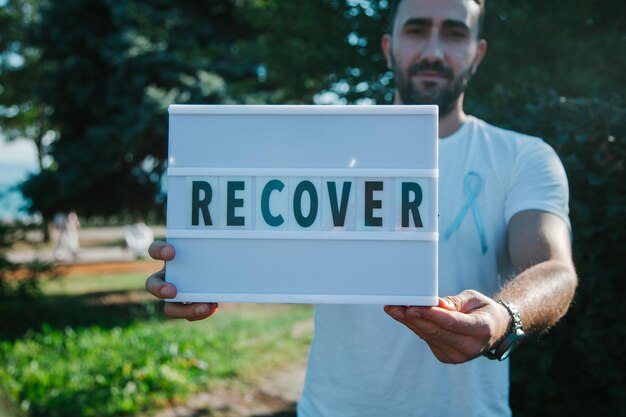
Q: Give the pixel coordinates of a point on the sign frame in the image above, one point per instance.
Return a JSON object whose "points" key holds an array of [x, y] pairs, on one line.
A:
{"points": [[217, 146]]}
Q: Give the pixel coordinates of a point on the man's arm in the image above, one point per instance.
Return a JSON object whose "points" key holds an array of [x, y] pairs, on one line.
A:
{"points": [[156, 285], [539, 246], [466, 325]]}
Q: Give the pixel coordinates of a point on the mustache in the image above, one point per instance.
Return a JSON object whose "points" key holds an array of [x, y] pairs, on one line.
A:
{"points": [[436, 66]]}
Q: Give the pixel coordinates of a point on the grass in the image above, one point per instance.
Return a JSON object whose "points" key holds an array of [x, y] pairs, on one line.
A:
{"points": [[101, 347], [85, 284], [100, 300]]}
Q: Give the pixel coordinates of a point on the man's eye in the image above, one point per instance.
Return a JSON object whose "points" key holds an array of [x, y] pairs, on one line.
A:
{"points": [[457, 34], [415, 31]]}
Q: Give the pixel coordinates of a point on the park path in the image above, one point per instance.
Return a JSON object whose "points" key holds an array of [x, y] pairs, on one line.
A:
{"points": [[98, 245], [274, 396]]}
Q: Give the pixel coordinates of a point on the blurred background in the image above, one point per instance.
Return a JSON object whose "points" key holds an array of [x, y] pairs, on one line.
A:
{"points": [[84, 90]]}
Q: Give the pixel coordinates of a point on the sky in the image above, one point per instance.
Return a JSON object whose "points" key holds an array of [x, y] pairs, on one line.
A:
{"points": [[17, 160], [21, 152]]}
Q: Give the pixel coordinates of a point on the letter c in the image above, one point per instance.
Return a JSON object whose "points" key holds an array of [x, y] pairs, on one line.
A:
{"points": [[270, 219]]}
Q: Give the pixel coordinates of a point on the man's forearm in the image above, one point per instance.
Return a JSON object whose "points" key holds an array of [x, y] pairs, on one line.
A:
{"points": [[542, 294]]}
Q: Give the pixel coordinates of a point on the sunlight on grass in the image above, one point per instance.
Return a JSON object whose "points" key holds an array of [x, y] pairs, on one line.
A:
{"points": [[80, 284], [104, 368]]}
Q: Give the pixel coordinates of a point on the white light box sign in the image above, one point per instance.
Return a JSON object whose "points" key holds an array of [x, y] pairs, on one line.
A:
{"points": [[303, 204]]}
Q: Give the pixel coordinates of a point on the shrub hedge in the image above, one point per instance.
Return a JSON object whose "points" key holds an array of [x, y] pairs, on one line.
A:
{"points": [[578, 369]]}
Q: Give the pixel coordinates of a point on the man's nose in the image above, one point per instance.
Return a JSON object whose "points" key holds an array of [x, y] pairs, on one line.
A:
{"points": [[433, 51]]}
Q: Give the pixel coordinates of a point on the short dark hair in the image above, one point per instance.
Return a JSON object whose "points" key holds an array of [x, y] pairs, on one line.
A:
{"points": [[393, 11]]}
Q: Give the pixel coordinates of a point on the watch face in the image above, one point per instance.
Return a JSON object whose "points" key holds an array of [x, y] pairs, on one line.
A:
{"points": [[513, 339]]}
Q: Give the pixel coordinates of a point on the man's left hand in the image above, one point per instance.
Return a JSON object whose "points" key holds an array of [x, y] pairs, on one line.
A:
{"points": [[460, 328]]}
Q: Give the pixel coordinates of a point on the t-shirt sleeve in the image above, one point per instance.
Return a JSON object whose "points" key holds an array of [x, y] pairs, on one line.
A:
{"points": [[538, 182]]}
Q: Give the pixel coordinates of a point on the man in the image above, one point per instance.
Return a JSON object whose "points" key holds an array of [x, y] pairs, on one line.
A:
{"points": [[504, 250]]}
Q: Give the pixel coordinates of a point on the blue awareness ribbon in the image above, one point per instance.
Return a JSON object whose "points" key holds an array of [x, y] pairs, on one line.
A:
{"points": [[473, 185]]}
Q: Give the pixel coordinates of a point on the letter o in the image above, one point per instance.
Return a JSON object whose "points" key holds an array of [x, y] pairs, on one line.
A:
{"points": [[305, 186]]}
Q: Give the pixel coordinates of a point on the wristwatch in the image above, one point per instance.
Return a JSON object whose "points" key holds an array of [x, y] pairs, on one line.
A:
{"points": [[503, 349]]}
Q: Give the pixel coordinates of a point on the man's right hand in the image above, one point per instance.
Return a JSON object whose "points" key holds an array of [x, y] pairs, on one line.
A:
{"points": [[156, 285]]}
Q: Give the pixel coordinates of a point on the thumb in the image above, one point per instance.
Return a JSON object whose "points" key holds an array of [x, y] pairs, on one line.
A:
{"points": [[464, 302], [446, 304]]}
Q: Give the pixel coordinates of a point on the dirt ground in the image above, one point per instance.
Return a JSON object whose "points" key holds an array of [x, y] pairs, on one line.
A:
{"points": [[275, 396], [109, 267]]}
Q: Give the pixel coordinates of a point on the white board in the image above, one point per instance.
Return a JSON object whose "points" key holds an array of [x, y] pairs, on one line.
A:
{"points": [[303, 204]]}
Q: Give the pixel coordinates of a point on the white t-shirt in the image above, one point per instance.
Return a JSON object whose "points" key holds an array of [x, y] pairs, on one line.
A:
{"points": [[363, 363]]}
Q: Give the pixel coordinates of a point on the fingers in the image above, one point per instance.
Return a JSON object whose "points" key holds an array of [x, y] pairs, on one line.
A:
{"points": [[161, 251], [156, 285], [191, 312], [450, 320], [426, 328], [467, 346], [459, 328], [397, 312], [453, 337]]}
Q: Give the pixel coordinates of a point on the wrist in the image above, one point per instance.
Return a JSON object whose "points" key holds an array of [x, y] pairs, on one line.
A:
{"points": [[513, 334], [506, 327]]}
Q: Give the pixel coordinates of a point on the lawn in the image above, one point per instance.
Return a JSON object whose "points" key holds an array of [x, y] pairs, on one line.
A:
{"points": [[100, 346]]}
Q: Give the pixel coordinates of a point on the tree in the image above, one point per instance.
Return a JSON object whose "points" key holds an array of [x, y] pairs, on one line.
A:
{"points": [[108, 70], [19, 282], [576, 48], [539, 48], [310, 47], [22, 115], [577, 369]]}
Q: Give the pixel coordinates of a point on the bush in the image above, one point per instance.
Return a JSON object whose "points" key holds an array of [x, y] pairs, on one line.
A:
{"points": [[578, 369], [13, 290]]}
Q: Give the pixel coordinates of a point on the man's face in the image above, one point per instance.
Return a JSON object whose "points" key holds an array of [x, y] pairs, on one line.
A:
{"points": [[433, 50]]}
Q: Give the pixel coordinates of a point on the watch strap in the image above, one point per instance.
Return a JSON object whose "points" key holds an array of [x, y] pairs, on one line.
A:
{"points": [[502, 349]]}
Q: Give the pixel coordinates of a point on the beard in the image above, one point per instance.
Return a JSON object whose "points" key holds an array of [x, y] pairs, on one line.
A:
{"points": [[445, 97]]}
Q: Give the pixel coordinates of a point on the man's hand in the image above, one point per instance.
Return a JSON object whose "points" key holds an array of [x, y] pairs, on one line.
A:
{"points": [[460, 328], [156, 285]]}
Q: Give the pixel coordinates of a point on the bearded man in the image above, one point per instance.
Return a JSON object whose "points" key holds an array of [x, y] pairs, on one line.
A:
{"points": [[504, 251]]}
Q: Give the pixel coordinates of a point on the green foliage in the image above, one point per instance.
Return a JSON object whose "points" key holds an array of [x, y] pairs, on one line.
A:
{"points": [[22, 114], [308, 47], [574, 48], [108, 69], [19, 283], [78, 302], [578, 369], [104, 372]]}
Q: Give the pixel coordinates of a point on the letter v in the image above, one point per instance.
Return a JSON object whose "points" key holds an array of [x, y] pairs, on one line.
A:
{"points": [[339, 213]]}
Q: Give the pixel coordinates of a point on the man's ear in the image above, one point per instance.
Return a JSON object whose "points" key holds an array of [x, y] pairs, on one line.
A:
{"points": [[385, 45], [481, 51]]}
